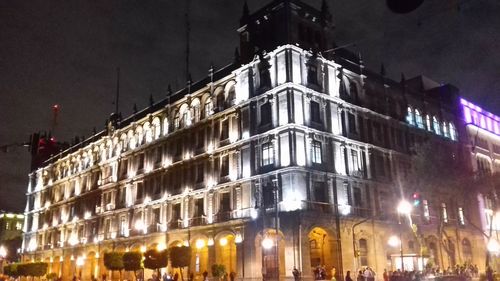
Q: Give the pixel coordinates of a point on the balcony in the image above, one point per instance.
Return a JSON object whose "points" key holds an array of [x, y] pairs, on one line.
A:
{"points": [[175, 224], [223, 216], [197, 221]]}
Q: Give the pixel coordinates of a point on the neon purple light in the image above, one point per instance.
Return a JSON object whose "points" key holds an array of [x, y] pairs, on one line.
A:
{"points": [[475, 115]]}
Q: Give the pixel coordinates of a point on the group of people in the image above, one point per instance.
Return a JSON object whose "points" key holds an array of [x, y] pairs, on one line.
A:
{"points": [[465, 271]]}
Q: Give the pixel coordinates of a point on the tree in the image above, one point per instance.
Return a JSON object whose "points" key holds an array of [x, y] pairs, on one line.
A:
{"points": [[218, 270], [11, 270], [38, 269], [180, 257], [22, 269], [114, 261], [155, 260], [132, 261]]}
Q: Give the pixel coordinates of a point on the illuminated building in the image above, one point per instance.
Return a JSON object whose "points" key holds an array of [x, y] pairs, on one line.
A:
{"points": [[483, 133], [317, 131]]}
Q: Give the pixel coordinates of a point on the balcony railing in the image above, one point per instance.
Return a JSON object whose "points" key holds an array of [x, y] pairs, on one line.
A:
{"points": [[222, 216], [197, 221], [175, 224]]}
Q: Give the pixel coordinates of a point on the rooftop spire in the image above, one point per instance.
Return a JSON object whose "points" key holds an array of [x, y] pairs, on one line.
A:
{"points": [[245, 15]]}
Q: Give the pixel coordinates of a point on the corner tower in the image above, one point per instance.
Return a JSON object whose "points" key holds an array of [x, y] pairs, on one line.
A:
{"points": [[285, 22]]}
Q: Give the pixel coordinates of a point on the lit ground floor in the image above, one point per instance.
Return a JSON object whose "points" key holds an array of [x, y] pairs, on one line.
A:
{"points": [[257, 249]]}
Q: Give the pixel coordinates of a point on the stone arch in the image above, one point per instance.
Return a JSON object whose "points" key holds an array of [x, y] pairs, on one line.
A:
{"points": [[322, 251], [266, 252], [90, 267], [199, 254], [225, 249]]}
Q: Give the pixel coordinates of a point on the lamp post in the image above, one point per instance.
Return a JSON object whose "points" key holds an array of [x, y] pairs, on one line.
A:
{"points": [[404, 208]]}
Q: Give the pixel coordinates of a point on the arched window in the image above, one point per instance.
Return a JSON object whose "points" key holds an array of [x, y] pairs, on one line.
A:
{"points": [[436, 125], [177, 120], [208, 107], [363, 252], [220, 102], [165, 126], [156, 128], [231, 95], [196, 110], [410, 116], [132, 142], [185, 119], [428, 122], [418, 119]]}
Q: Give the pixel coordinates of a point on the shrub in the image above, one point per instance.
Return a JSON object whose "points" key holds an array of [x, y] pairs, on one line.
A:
{"points": [[218, 270]]}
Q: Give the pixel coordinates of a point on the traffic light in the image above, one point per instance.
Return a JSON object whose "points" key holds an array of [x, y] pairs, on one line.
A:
{"points": [[416, 199]]}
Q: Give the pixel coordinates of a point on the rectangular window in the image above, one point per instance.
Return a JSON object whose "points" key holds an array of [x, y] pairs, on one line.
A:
{"points": [[225, 202], [316, 152], [315, 112], [320, 192], [425, 206], [444, 213], [140, 165], [199, 173], [461, 218], [200, 141], [224, 130], [312, 74], [265, 114], [351, 119], [224, 166], [123, 226], [354, 161], [267, 154], [158, 154]]}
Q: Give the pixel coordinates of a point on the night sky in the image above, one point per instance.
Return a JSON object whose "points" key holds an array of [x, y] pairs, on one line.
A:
{"points": [[67, 52]]}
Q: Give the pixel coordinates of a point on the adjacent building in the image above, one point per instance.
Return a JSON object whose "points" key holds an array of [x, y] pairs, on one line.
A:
{"points": [[291, 156]]}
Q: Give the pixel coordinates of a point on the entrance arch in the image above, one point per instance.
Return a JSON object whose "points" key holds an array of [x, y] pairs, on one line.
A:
{"points": [[322, 253], [225, 251], [266, 245]]}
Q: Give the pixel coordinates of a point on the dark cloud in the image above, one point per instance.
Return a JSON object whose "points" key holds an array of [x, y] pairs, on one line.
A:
{"points": [[66, 52]]}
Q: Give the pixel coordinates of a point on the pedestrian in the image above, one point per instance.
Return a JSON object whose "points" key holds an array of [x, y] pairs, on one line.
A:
{"points": [[348, 276], [385, 275], [296, 274], [334, 272], [360, 276], [489, 274]]}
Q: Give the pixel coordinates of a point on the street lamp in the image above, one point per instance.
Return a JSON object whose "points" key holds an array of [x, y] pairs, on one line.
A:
{"points": [[404, 208], [493, 246]]}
